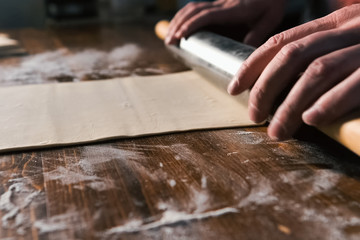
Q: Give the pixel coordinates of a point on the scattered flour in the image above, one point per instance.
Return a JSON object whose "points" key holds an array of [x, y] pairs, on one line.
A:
{"points": [[333, 222], [62, 65], [323, 181], [103, 185], [13, 204], [79, 179], [172, 183], [82, 173], [200, 200], [162, 206], [232, 153], [67, 177], [261, 194], [168, 218], [91, 156], [252, 137], [61, 222], [203, 182], [123, 57], [200, 206]]}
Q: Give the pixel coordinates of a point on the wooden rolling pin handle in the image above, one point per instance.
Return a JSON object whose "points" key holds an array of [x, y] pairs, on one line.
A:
{"points": [[161, 29]]}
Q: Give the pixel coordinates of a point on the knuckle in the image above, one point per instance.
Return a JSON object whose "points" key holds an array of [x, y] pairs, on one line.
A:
{"points": [[319, 68], [206, 12], [287, 109], [317, 23], [276, 39], [325, 108], [229, 3], [292, 50], [184, 27], [329, 21], [337, 18], [257, 95], [191, 5], [245, 66]]}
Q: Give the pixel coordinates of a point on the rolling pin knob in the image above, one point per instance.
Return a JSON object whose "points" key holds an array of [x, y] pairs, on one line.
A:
{"points": [[161, 29]]}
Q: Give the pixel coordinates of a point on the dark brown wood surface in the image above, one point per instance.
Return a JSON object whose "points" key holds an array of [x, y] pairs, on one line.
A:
{"points": [[216, 184]]}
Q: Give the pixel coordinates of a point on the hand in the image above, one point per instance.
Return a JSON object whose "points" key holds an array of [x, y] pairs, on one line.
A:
{"points": [[262, 16], [326, 53]]}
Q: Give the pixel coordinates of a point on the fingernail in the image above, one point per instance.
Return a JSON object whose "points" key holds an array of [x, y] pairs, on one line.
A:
{"points": [[178, 34], [277, 131], [232, 86], [311, 116], [254, 113], [168, 40]]}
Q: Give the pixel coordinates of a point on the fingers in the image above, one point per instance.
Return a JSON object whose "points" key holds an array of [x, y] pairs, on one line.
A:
{"points": [[251, 69], [321, 76], [286, 66], [335, 103], [186, 13], [255, 64], [201, 19], [340, 100], [278, 62]]}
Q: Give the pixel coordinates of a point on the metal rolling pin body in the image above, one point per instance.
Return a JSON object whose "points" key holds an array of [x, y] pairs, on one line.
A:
{"points": [[213, 56]]}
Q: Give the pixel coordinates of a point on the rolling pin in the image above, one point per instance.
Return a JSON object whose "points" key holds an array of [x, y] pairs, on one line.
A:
{"points": [[218, 58]]}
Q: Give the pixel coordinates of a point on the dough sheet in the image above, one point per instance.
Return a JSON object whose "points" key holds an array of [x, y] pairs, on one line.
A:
{"points": [[37, 116]]}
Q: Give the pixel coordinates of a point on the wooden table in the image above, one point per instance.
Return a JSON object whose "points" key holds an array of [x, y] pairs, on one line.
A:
{"points": [[216, 184]]}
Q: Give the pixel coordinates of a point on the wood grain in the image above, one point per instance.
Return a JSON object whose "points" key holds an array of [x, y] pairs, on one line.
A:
{"points": [[219, 184]]}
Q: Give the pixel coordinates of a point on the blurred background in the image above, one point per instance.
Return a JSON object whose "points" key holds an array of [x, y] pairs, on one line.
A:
{"points": [[39, 13]]}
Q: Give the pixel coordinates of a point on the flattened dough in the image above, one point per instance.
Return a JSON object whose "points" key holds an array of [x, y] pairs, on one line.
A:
{"points": [[37, 116]]}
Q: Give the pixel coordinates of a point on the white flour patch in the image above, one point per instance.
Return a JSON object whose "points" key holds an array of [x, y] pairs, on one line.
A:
{"points": [[92, 156], [232, 153], [261, 194], [67, 177], [123, 57], [5, 159], [200, 200], [61, 222], [203, 182], [14, 203], [79, 179], [62, 65], [168, 218], [252, 139], [162, 206], [172, 183], [241, 132], [36, 69], [154, 71], [332, 220], [5, 200], [100, 186], [86, 62], [322, 181]]}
